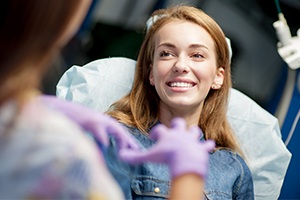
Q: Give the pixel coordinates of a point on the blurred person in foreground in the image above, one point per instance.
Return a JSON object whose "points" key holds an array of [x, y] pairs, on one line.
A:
{"points": [[43, 154]]}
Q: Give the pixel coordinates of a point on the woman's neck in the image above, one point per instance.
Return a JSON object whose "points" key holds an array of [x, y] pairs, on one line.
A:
{"points": [[191, 115]]}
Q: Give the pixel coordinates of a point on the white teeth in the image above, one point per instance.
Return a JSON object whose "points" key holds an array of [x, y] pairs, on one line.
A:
{"points": [[181, 84]]}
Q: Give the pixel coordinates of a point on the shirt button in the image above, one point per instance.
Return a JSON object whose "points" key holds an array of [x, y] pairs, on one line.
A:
{"points": [[156, 190]]}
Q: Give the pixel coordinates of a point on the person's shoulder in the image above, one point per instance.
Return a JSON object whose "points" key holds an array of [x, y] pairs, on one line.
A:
{"points": [[51, 147], [53, 130]]}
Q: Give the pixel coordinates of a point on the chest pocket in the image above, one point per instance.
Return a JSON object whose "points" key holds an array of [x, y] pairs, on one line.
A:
{"points": [[143, 186], [216, 195]]}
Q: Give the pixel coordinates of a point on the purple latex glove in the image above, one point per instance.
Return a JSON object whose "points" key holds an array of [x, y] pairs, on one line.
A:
{"points": [[99, 124], [178, 147]]}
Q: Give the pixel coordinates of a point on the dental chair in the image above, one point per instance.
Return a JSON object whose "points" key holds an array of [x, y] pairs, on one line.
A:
{"points": [[100, 83]]}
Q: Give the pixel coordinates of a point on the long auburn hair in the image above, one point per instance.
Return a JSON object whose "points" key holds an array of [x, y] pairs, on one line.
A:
{"points": [[30, 32], [140, 107]]}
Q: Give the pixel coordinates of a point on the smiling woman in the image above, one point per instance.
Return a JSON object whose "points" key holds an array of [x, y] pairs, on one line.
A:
{"points": [[183, 70]]}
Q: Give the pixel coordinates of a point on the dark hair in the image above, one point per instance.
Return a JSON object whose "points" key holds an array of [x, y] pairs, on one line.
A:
{"points": [[30, 32]]}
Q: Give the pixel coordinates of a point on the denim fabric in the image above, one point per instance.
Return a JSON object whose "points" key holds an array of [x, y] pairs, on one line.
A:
{"points": [[228, 177]]}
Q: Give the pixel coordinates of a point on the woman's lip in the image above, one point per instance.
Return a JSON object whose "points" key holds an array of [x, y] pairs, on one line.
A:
{"points": [[181, 84]]}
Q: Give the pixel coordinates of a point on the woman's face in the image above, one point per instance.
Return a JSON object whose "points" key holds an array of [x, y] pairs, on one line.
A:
{"points": [[184, 66]]}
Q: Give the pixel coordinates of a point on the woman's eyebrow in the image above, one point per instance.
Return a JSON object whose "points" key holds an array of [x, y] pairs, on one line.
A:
{"points": [[194, 46], [167, 45]]}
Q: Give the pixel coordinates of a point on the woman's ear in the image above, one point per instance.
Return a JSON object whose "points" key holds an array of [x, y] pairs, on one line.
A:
{"points": [[219, 79]]}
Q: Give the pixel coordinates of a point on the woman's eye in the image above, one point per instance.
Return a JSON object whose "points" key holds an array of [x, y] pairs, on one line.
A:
{"points": [[197, 55], [165, 54]]}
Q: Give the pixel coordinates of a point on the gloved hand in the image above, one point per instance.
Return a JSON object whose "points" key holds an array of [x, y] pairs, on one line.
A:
{"points": [[99, 124], [178, 147]]}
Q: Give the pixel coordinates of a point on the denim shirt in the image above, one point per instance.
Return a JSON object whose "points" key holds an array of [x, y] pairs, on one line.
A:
{"points": [[228, 176]]}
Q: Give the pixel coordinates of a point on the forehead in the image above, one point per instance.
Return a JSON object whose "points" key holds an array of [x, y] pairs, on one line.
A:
{"points": [[180, 32]]}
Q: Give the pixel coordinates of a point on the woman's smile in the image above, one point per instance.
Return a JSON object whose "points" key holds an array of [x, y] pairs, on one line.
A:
{"points": [[181, 85]]}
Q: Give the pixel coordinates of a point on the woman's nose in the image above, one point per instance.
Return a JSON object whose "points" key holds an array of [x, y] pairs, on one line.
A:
{"points": [[181, 66]]}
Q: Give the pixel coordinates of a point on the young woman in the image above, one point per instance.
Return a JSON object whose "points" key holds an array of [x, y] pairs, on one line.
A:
{"points": [[183, 70]]}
